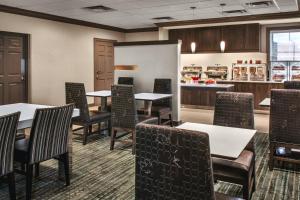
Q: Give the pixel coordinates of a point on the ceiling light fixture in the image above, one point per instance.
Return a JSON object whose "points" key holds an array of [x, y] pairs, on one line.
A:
{"points": [[222, 46], [193, 47]]}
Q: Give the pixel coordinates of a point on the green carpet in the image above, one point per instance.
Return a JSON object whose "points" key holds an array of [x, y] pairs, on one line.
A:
{"points": [[103, 174]]}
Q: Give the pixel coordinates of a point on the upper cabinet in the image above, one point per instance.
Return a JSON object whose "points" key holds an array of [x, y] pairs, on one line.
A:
{"points": [[238, 38]]}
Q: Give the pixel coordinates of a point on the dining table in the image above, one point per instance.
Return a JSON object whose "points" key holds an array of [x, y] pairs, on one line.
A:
{"points": [[225, 142], [25, 121], [148, 98]]}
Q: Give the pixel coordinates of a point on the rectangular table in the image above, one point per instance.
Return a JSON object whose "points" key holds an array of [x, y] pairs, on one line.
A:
{"points": [[26, 119], [146, 97], [225, 142], [266, 102]]}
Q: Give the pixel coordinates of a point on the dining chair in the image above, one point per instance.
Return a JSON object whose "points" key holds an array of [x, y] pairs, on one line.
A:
{"points": [[236, 110], [284, 134], [48, 140], [123, 114], [292, 85], [163, 107], [8, 129], [125, 81], [173, 164], [75, 93]]}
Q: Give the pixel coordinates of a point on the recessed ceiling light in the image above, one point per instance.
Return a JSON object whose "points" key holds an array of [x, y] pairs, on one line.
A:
{"points": [[163, 18], [99, 9]]}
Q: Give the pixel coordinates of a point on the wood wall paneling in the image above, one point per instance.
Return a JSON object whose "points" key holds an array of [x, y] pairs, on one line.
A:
{"points": [[238, 38]]}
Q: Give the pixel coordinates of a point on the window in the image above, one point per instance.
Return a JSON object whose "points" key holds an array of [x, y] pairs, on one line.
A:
{"points": [[285, 45]]}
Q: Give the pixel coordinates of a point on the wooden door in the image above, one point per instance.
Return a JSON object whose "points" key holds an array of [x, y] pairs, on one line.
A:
{"points": [[12, 69], [103, 65]]}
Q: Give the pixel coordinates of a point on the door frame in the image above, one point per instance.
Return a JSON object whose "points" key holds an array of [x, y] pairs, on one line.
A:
{"points": [[26, 52], [101, 40]]}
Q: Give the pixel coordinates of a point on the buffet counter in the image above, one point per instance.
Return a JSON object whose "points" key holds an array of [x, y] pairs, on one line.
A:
{"points": [[202, 95]]}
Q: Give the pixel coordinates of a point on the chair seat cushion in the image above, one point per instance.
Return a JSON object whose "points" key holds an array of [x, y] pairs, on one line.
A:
{"points": [[156, 111], [225, 167], [98, 115], [21, 150]]}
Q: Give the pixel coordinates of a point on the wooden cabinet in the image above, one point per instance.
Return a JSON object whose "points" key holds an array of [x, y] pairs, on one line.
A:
{"points": [[208, 39], [238, 38]]}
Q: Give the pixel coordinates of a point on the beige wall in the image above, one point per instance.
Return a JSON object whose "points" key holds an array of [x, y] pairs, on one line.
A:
{"points": [[60, 52], [141, 36]]}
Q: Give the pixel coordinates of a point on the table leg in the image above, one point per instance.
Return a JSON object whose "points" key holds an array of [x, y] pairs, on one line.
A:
{"points": [[61, 169], [103, 103], [147, 107]]}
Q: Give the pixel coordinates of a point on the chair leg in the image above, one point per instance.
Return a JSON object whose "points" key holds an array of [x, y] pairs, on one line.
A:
{"points": [[12, 185], [271, 159], [171, 120], [90, 129], [65, 159], [246, 190], [109, 127], [159, 120], [29, 173], [133, 142], [112, 138], [37, 170], [85, 134]]}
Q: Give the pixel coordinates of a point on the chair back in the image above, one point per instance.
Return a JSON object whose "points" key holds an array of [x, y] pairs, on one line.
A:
{"points": [[75, 94], [125, 81], [49, 133], [285, 116], [8, 131], [172, 163], [123, 107], [163, 86], [234, 109], [292, 85]]}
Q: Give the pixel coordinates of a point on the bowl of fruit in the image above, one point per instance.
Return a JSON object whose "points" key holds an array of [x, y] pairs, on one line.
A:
{"points": [[210, 81]]}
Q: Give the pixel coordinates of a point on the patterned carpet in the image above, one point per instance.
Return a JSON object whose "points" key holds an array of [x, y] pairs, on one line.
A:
{"points": [[103, 174]]}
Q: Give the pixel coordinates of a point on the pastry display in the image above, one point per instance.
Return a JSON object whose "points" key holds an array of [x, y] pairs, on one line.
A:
{"points": [[249, 72], [217, 72], [191, 74]]}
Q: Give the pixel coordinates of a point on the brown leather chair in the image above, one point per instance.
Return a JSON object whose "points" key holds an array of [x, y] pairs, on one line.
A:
{"points": [[173, 164], [236, 110], [284, 126]]}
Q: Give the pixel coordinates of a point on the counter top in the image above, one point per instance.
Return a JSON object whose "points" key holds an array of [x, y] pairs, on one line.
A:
{"points": [[234, 81], [202, 85]]}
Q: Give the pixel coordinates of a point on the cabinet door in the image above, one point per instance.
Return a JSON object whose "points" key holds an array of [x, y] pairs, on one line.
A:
{"points": [[252, 37], [234, 36], [209, 39]]}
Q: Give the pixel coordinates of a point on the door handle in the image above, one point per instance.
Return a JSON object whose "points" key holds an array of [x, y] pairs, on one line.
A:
{"points": [[22, 78]]}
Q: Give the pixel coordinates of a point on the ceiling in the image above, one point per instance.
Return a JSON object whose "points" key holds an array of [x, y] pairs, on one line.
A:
{"points": [[131, 14]]}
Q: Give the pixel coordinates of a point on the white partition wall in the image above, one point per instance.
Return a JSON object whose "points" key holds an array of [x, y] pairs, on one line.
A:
{"points": [[155, 59]]}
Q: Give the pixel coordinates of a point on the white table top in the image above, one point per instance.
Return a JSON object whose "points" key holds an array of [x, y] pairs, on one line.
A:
{"points": [[266, 102], [27, 112], [139, 96], [102, 93], [225, 142], [151, 96]]}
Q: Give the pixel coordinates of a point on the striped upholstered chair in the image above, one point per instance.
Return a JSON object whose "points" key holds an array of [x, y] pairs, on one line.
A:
{"points": [[292, 85], [8, 130], [236, 110], [284, 126], [123, 114], [173, 164], [75, 93], [48, 140]]}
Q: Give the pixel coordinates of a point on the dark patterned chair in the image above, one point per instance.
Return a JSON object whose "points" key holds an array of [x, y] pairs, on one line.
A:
{"points": [[75, 93], [125, 81], [173, 164], [292, 85], [123, 114], [48, 139], [163, 107], [284, 126], [236, 110], [8, 129]]}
